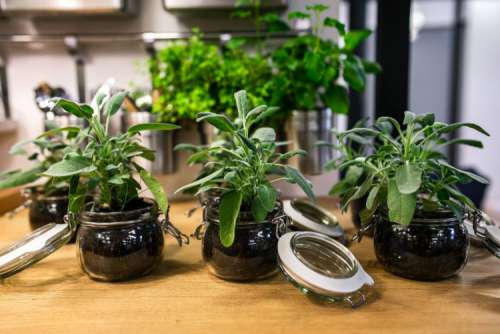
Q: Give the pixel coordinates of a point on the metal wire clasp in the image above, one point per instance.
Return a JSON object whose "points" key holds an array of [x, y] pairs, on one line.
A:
{"points": [[181, 238], [282, 223]]}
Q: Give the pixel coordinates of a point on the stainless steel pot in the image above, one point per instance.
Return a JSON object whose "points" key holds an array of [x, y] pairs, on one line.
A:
{"points": [[310, 127], [163, 142]]}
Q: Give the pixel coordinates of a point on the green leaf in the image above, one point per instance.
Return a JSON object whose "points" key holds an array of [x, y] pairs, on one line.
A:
{"points": [[221, 122], [263, 115], [459, 196], [333, 23], [295, 176], [258, 211], [354, 73], [372, 195], [318, 7], [201, 181], [468, 142], [187, 147], [114, 103], [455, 126], [337, 98], [152, 127], [266, 195], [53, 132], [265, 134], [401, 206], [340, 188], [20, 178], [71, 166], [18, 148], [229, 210], [470, 175], [156, 189], [314, 65], [298, 15], [409, 117], [293, 153], [241, 103], [80, 111], [371, 67], [353, 38], [408, 178]]}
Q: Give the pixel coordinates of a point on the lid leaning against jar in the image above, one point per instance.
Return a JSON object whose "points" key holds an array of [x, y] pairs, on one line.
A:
{"points": [[307, 216], [323, 267], [34, 247]]}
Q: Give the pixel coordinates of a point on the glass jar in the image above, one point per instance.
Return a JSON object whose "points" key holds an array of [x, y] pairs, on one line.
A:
{"points": [[45, 209], [252, 256], [118, 246], [429, 248]]}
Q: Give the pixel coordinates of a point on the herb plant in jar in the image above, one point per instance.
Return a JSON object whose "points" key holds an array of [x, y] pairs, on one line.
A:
{"points": [[47, 200], [240, 239], [412, 196], [120, 235]]}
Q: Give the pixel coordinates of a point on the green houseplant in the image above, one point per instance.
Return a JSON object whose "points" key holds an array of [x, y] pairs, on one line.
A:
{"points": [[313, 76], [47, 200], [248, 203], [411, 194], [120, 236]]}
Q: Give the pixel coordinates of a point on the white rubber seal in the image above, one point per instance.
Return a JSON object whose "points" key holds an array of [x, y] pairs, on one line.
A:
{"points": [[303, 222]]}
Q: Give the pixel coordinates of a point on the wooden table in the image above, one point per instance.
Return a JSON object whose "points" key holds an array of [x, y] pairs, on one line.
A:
{"points": [[54, 296]]}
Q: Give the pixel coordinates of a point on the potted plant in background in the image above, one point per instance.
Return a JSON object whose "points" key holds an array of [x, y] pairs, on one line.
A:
{"points": [[120, 236], [184, 80], [47, 201], [240, 238], [412, 195], [312, 79]]}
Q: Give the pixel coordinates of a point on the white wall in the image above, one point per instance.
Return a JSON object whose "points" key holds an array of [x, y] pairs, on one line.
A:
{"points": [[481, 91]]}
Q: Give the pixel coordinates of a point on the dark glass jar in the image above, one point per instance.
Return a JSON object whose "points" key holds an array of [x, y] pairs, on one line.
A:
{"points": [[44, 209], [252, 256], [118, 246], [430, 248]]}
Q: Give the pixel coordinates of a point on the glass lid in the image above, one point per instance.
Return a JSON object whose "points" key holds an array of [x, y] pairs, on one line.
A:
{"points": [[307, 216], [323, 267], [33, 248]]}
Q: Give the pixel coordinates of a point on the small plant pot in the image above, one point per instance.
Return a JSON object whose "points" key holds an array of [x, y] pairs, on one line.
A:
{"points": [[45, 209], [119, 246], [428, 249], [252, 256]]}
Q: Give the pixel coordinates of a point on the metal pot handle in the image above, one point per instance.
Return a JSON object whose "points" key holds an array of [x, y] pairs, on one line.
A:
{"points": [[282, 223], [169, 228]]}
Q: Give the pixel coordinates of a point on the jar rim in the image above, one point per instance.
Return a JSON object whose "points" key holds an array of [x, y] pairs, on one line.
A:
{"points": [[422, 220], [37, 193], [116, 218]]}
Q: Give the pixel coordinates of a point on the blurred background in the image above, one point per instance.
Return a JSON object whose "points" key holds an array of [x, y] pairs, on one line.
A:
{"points": [[438, 56]]}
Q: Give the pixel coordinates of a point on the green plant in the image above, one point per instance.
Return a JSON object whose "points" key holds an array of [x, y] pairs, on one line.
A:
{"points": [[405, 171], [105, 167], [243, 174], [184, 77], [49, 148], [313, 72]]}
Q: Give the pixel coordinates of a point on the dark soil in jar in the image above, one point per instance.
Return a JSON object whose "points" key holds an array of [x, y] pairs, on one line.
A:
{"points": [[252, 256], [117, 246], [434, 246]]}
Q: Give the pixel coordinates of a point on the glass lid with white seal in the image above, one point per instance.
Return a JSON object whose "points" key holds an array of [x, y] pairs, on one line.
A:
{"points": [[308, 216], [322, 267], [34, 247]]}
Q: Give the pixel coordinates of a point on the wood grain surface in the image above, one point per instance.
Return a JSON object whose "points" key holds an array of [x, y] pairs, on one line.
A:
{"points": [[180, 296]]}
